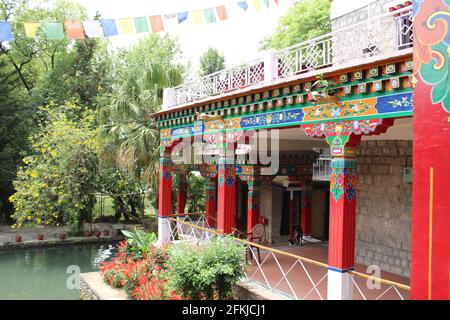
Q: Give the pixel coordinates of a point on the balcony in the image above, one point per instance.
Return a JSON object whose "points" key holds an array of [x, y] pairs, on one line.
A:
{"points": [[387, 35]]}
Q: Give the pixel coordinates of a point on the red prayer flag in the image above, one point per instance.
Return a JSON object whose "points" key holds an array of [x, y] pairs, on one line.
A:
{"points": [[276, 1], [157, 23], [74, 29], [222, 12]]}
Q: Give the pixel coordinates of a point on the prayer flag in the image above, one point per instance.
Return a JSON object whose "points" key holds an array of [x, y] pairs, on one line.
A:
{"points": [[257, 5], [109, 27], [266, 2], [197, 17], [93, 29], [182, 16], [222, 12], [31, 28], [5, 31], [156, 23], [140, 24], [276, 1], [54, 30], [125, 26], [74, 29], [243, 5], [170, 22], [210, 15]]}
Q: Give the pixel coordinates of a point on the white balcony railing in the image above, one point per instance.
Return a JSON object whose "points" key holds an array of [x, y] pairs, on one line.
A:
{"points": [[382, 35]]}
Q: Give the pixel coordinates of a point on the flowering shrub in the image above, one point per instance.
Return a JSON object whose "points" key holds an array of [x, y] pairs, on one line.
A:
{"points": [[143, 278], [179, 272]]}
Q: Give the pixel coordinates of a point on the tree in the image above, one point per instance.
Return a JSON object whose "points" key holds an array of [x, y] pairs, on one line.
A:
{"points": [[211, 61], [58, 179], [306, 20], [37, 71], [130, 136]]}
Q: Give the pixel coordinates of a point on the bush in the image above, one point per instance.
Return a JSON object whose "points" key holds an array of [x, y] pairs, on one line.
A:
{"points": [[208, 272], [58, 178]]}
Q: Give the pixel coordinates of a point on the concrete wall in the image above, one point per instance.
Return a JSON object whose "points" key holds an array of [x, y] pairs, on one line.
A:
{"points": [[383, 224]]}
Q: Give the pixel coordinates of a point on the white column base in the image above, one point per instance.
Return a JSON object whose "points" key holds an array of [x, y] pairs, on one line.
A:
{"points": [[163, 231], [340, 285]]}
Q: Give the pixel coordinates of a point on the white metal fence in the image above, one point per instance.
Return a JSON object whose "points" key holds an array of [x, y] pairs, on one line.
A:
{"points": [[386, 34]]}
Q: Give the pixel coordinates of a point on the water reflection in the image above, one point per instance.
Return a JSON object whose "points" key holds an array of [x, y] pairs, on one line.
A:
{"points": [[41, 273]]}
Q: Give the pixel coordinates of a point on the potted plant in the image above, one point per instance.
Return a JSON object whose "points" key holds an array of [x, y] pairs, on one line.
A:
{"points": [[18, 238], [40, 236], [62, 235], [106, 232], [98, 233], [88, 233]]}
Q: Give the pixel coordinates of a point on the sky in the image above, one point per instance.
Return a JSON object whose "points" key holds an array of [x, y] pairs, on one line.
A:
{"points": [[237, 38]]}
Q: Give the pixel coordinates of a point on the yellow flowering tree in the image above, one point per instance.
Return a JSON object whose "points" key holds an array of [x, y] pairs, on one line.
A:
{"points": [[57, 180]]}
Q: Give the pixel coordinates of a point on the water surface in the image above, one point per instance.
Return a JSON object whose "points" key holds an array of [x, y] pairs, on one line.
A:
{"points": [[41, 273]]}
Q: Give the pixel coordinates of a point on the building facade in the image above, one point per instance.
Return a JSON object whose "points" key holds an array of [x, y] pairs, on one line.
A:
{"points": [[341, 137]]}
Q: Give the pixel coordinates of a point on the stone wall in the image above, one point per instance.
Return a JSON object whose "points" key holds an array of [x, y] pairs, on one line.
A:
{"points": [[382, 33], [271, 206], [383, 224]]}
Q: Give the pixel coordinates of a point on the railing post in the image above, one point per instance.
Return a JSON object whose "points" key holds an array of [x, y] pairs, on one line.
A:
{"points": [[341, 244], [270, 66]]}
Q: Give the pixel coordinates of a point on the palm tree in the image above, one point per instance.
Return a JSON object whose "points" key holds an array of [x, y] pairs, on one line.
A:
{"points": [[130, 133]]}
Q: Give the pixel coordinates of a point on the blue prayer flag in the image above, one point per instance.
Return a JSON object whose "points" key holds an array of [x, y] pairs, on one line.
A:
{"points": [[182, 16], [243, 5], [5, 31], [109, 27]]}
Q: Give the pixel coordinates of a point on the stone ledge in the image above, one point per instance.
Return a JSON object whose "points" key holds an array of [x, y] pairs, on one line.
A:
{"points": [[57, 242], [92, 287]]}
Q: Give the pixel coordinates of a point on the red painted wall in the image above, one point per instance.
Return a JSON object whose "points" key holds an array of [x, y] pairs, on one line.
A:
{"points": [[430, 245]]}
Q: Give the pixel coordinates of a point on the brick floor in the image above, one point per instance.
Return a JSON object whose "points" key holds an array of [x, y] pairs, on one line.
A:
{"points": [[301, 276]]}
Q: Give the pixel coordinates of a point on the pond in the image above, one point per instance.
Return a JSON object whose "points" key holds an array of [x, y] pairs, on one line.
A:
{"points": [[42, 273]]}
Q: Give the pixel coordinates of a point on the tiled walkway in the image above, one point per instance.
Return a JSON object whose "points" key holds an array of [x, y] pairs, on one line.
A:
{"points": [[301, 277]]}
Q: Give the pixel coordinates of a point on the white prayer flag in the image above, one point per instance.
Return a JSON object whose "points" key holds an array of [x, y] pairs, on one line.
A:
{"points": [[93, 29]]}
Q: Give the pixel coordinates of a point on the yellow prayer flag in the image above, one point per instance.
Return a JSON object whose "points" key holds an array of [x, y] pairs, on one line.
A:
{"points": [[125, 26], [197, 16], [256, 4], [31, 28]]}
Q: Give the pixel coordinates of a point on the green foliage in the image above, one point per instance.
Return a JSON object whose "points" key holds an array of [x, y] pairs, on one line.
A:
{"points": [[211, 61], [208, 272], [139, 242], [130, 137], [305, 20], [36, 71], [58, 178]]}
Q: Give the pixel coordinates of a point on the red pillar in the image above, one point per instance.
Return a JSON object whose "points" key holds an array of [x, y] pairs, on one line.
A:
{"points": [[306, 213], [211, 204], [430, 239], [181, 196], [165, 185], [226, 198], [253, 213], [342, 225], [291, 216], [226, 187], [341, 245]]}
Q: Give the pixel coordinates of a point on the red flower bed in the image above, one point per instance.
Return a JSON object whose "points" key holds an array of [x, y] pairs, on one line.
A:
{"points": [[143, 278]]}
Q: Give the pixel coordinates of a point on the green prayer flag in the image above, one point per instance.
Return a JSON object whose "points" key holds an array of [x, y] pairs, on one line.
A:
{"points": [[210, 15], [140, 24], [54, 30], [266, 2]]}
